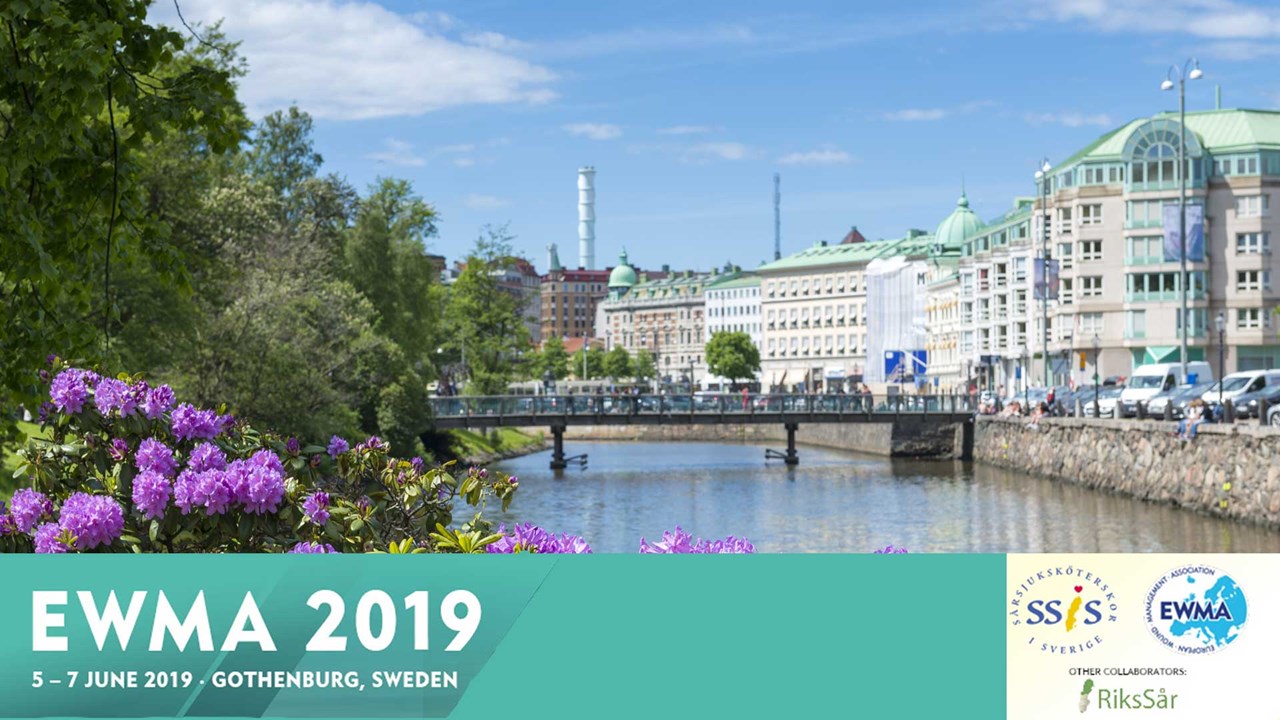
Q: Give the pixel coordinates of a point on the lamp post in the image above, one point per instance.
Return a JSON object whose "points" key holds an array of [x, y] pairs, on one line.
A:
{"points": [[1221, 322], [1042, 176], [1097, 346], [1189, 71]]}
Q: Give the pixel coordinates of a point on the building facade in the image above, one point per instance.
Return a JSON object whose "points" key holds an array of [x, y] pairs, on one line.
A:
{"points": [[569, 299], [1101, 215], [522, 281], [733, 305], [814, 312], [665, 316]]}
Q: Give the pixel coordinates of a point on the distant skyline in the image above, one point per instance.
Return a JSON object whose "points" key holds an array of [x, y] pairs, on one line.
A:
{"points": [[875, 116]]}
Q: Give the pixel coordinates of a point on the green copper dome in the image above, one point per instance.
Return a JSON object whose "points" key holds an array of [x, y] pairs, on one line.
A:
{"points": [[624, 275], [960, 224]]}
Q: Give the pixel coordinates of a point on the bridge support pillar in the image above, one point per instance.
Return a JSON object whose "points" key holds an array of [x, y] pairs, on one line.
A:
{"points": [[557, 447], [792, 458]]}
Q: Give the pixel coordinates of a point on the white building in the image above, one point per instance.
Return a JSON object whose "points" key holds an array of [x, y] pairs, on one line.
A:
{"points": [[733, 305]]}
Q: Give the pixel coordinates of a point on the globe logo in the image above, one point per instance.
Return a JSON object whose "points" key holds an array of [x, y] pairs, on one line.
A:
{"points": [[1196, 610]]}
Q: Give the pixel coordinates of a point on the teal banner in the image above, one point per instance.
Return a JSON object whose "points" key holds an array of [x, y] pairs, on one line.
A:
{"points": [[483, 637]]}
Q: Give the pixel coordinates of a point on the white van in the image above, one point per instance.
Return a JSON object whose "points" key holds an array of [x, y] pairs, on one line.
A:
{"points": [[1236, 384], [1150, 380]]}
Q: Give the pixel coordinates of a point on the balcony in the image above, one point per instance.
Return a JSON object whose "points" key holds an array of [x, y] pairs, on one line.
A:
{"points": [[1143, 259], [1161, 296], [1196, 332]]}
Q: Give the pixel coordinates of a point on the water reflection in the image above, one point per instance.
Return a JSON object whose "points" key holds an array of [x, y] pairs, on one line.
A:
{"points": [[843, 502]]}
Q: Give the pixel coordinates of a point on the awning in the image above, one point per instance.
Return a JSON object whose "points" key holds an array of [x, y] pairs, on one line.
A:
{"points": [[835, 373], [1161, 353]]}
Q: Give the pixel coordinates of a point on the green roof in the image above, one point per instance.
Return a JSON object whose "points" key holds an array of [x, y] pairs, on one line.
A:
{"points": [[918, 243], [1219, 131], [732, 283], [623, 275], [960, 224]]}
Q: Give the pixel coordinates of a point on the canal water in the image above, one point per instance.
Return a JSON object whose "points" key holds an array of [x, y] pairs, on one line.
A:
{"points": [[844, 502]]}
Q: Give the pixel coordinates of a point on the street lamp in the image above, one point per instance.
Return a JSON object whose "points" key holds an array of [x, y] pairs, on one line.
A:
{"points": [[1042, 176], [1221, 322], [1097, 345], [1189, 71]]}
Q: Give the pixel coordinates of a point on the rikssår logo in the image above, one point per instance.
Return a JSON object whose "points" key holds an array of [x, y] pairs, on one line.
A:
{"points": [[1062, 610]]}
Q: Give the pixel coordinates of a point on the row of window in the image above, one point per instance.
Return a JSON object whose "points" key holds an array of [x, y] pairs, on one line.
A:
{"points": [[733, 327], [831, 284], [733, 310], [828, 344]]}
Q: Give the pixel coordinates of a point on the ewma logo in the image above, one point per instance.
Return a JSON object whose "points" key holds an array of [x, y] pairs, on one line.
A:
{"points": [[1196, 610], [1062, 610]]}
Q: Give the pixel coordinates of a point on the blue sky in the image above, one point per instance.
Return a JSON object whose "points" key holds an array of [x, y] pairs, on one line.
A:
{"points": [[874, 113]]}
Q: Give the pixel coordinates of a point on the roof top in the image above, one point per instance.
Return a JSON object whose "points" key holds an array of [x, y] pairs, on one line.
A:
{"points": [[732, 283], [916, 243], [624, 275], [1219, 131], [960, 224]]}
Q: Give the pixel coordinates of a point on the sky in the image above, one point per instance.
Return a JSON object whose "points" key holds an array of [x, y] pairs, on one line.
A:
{"points": [[875, 114]]}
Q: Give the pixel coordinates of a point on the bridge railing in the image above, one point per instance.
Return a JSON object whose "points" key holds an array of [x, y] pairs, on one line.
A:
{"points": [[726, 404]]}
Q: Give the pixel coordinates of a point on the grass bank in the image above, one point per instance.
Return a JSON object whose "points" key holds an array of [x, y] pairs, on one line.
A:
{"points": [[478, 448]]}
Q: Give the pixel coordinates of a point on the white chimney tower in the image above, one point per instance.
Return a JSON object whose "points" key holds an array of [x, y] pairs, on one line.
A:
{"points": [[587, 218]]}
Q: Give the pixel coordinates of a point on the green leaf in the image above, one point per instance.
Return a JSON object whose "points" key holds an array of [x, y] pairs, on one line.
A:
{"points": [[155, 530]]}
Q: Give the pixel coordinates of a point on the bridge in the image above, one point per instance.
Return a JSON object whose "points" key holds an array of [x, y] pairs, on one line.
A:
{"points": [[560, 411]]}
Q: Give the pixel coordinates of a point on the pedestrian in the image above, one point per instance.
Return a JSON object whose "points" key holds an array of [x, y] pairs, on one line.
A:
{"points": [[1194, 417]]}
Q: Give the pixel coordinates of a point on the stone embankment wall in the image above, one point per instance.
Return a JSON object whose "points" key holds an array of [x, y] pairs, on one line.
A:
{"points": [[909, 437], [1227, 470]]}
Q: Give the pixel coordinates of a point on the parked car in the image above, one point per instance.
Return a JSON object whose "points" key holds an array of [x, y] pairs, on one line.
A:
{"points": [[1108, 399], [1150, 380], [1235, 384], [1246, 403], [1176, 399], [1273, 416]]}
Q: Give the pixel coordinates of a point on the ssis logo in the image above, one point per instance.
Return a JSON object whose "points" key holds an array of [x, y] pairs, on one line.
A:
{"points": [[1062, 610]]}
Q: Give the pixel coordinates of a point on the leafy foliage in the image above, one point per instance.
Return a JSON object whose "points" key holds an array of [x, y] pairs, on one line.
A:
{"points": [[732, 355], [617, 363], [482, 320], [85, 88]]}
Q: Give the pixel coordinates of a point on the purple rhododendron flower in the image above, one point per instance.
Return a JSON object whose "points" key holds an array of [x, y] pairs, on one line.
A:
{"points": [[29, 507], [110, 394], [292, 446], [8, 526], [337, 446], [529, 538], [890, 550], [258, 483], [680, 542], [151, 493], [515, 481], [69, 391], [119, 449], [417, 463], [93, 519], [155, 455], [47, 541], [316, 507], [46, 411], [158, 402], [207, 456], [188, 423], [312, 548], [373, 443], [210, 489]]}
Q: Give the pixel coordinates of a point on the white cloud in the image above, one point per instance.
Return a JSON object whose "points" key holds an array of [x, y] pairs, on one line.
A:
{"points": [[595, 131], [463, 162], [825, 156], [685, 130], [396, 152], [459, 148], [1069, 119], [354, 59], [917, 114], [1221, 19], [496, 41], [704, 152], [477, 201]]}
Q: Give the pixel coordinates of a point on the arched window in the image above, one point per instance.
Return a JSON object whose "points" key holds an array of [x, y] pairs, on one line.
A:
{"points": [[1151, 153]]}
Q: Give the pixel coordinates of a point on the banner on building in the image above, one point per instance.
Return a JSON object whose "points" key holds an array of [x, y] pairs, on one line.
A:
{"points": [[1195, 233], [1040, 284]]}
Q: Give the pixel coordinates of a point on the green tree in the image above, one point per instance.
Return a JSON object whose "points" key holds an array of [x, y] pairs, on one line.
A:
{"points": [[594, 364], [617, 363], [732, 355], [84, 88], [482, 320], [554, 358], [386, 260], [644, 369]]}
